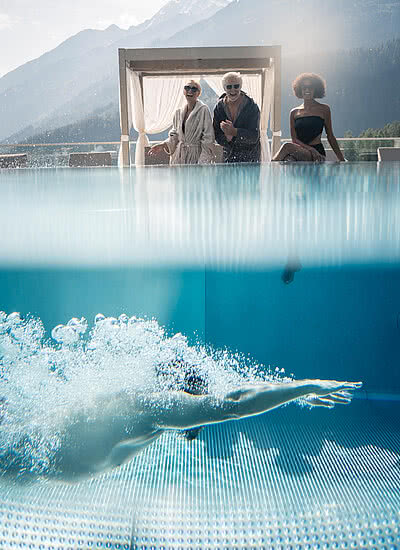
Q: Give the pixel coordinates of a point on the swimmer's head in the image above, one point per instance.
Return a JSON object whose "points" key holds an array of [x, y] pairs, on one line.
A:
{"points": [[179, 375], [194, 383]]}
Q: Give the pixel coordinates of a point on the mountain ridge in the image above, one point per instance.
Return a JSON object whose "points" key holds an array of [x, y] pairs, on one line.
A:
{"points": [[349, 100], [77, 63], [87, 78]]}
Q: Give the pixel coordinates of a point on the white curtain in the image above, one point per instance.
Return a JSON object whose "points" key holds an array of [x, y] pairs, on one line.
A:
{"points": [[215, 83], [267, 95], [252, 86], [162, 97]]}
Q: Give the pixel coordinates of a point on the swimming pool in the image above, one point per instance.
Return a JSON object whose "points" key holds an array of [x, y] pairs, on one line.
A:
{"points": [[290, 267]]}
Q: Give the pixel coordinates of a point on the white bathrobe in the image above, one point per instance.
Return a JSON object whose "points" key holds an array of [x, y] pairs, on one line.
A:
{"points": [[196, 144]]}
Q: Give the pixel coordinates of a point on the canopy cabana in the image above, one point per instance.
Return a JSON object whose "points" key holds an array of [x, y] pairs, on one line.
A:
{"points": [[152, 79]]}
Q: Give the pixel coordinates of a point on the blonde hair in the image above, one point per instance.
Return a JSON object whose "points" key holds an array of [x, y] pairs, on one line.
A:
{"points": [[195, 83], [232, 76]]}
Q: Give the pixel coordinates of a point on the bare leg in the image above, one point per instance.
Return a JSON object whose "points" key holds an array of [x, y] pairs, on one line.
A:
{"points": [[294, 152], [181, 411]]}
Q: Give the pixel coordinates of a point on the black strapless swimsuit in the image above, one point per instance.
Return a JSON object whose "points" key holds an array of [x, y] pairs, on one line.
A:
{"points": [[308, 128]]}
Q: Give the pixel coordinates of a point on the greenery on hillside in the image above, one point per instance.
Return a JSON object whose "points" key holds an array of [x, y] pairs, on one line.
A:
{"points": [[359, 150], [363, 92], [362, 86], [102, 125], [389, 130]]}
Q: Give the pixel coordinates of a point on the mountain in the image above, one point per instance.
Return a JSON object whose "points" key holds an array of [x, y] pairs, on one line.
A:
{"points": [[357, 93], [300, 26], [103, 124], [362, 85], [81, 74], [177, 15]]}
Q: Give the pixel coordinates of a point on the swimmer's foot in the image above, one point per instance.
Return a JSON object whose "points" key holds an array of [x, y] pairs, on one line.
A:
{"points": [[291, 268], [191, 434]]}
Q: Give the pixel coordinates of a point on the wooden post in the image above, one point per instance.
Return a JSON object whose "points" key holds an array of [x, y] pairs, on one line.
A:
{"points": [[276, 108], [123, 97], [141, 88], [262, 88], [142, 96]]}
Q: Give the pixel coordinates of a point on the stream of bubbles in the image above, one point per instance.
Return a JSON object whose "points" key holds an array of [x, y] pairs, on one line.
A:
{"points": [[43, 380]]}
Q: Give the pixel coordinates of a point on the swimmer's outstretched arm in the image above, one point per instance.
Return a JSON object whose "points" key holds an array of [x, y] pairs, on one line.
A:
{"points": [[179, 410]]}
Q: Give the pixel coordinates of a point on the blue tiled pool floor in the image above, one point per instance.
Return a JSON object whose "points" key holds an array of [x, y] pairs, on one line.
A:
{"points": [[290, 479]]}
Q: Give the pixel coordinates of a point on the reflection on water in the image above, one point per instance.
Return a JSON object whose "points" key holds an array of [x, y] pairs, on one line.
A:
{"points": [[223, 215]]}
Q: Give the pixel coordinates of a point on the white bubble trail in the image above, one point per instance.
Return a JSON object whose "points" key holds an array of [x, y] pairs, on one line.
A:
{"points": [[43, 380]]}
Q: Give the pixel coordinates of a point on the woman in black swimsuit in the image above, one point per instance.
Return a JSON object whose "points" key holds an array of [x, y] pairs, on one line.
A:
{"points": [[307, 123]]}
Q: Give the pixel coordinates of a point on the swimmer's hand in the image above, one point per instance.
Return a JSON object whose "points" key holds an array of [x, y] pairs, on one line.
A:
{"points": [[328, 393]]}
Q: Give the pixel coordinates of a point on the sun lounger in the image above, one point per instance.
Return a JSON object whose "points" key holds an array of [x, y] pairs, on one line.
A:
{"points": [[389, 153], [99, 158], [18, 160], [162, 157]]}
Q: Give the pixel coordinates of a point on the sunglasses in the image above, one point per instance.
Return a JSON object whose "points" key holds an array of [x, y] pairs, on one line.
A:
{"points": [[193, 89], [230, 86]]}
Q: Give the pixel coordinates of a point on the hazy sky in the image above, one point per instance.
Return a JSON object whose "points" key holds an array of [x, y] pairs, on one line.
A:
{"points": [[29, 28]]}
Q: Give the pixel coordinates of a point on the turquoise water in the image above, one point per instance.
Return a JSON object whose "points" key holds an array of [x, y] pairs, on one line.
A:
{"points": [[278, 271], [338, 322]]}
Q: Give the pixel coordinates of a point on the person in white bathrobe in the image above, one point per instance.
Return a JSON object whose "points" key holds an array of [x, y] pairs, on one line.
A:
{"points": [[191, 138]]}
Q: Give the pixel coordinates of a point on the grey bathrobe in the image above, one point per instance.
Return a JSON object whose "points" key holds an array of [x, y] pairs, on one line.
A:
{"points": [[195, 145]]}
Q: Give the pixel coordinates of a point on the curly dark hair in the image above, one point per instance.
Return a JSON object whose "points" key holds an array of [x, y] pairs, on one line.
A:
{"points": [[318, 83]]}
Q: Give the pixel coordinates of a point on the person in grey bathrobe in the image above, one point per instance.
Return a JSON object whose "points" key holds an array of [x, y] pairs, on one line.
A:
{"points": [[191, 138], [237, 122]]}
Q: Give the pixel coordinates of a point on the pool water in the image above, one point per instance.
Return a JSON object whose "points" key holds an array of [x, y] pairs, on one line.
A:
{"points": [[293, 270]]}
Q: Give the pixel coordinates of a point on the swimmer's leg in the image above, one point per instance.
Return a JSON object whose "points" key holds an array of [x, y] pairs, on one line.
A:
{"points": [[179, 410], [293, 265]]}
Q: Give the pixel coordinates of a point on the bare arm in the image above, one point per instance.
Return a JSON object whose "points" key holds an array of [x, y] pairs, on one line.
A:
{"points": [[179, 410], [331, 138]]}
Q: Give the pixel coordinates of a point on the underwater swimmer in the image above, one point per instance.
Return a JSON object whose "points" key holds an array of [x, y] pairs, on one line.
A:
{"points": [[114, 429], [180, 375]]}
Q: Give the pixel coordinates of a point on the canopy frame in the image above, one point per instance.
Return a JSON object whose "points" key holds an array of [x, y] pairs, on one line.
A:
{"points": [[213, 61]]}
